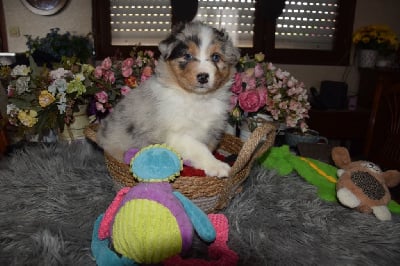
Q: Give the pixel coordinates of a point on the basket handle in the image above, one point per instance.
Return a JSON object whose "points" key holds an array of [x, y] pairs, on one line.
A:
{"points": [[90, 132], [252, 149]]}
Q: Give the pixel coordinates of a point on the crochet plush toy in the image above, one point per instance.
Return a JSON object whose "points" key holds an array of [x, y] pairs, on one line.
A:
{"points": [[149, 223], [363, 185]]}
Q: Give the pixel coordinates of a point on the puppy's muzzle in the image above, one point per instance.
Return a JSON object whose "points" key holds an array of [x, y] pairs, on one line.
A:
{"points": [[202, 78]]}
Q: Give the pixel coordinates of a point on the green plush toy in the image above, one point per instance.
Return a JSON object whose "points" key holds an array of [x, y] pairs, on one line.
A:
{"points": [[317, 173], [320, 174]]}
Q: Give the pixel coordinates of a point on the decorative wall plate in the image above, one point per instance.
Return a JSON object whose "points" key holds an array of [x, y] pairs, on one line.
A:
{"points": [[44, 7]]}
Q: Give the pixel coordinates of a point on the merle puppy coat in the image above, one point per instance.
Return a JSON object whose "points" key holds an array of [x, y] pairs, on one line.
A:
{"points": [[184, 104]]}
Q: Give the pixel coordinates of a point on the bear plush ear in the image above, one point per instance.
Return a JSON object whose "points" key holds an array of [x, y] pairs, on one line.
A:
{"points": [[391, 177], [340, 156]]}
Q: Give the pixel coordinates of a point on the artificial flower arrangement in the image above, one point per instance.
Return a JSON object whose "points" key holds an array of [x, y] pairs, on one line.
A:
{"points": [[262, 88], [40, 99], [114, 78], [376, 37]]}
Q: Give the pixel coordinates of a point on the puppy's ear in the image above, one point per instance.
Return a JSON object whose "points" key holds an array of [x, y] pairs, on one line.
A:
{"points": [[166, 46], [232, 53]]}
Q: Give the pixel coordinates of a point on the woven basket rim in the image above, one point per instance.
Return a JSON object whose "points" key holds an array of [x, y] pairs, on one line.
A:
{"points": [[202, 187]]}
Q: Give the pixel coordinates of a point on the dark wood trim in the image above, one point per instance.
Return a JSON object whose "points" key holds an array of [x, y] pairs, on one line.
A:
{"points": [[3, 30], [102, 33]]}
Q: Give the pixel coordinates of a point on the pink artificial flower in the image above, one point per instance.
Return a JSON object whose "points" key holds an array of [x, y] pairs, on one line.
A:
{"points": [[100, 107], [237, 84], [10, 91], [98, 72], [263, 96], [258, 71], [126, 71], [149, 53], [290, 121], [125, 90], [101, 97], [290, 83], [250, 101], [146, 73], [284, 105], [279, 73], [249, 80], [106, 64], [233, 101], [293, 105], [139, 62], [303, 126], [127, 62], [109, 76], [291, 91]]}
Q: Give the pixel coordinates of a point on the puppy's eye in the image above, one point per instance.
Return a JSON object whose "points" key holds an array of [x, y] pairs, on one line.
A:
{"points": [[187, 57], [215, 58]]}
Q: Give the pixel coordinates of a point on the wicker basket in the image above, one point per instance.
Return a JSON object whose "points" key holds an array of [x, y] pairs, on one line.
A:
{"points": [[209, 193]]}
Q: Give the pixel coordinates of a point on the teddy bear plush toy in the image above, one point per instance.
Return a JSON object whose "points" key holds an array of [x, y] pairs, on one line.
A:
{"points": [[363, 185]]}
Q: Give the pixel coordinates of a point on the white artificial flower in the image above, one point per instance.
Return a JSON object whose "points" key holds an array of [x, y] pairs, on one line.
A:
{"points": [[20, 70], [61, 107], [59, 73], [58, 85], [11, 107], [22, 85], [79, 77]]}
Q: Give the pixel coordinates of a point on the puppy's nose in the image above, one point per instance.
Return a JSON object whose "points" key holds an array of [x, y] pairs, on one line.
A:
{"points": [[202, 78]]}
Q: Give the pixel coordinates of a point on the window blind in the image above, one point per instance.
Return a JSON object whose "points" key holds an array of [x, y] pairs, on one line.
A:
{"points": [[139, 21], [236, 16], [302, 25], [148, 21], [307, 25]]}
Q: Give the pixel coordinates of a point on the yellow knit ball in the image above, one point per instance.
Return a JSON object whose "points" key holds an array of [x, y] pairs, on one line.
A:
{"points": [[146, 232]]}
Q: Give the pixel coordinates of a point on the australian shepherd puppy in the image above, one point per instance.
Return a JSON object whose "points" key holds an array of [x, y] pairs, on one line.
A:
{"points": [[184, 104]]}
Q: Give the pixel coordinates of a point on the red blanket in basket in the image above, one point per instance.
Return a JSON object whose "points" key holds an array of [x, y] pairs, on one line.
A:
{"points": [[187, 169], [191, 171]]}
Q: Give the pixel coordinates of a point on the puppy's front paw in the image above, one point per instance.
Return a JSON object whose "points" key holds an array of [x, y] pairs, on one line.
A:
{"points": [[217, 168]]}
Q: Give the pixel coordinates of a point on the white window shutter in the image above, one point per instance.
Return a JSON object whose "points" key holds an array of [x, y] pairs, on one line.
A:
{"points": [[139, 21], [302, 25], [307, 25], [148, 21]]}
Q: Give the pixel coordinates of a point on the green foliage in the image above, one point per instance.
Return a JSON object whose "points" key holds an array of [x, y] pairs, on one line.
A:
{"points": [[55, 45]]}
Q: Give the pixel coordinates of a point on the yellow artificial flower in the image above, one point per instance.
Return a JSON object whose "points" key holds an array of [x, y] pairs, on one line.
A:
{"points": [[236, 114], [376, 37], [28, 118], [259, 57], [46, 98], [77, 86], [87, 68]]}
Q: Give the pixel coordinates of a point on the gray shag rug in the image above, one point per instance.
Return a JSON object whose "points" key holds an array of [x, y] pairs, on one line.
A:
{"points": [[50, 196]]}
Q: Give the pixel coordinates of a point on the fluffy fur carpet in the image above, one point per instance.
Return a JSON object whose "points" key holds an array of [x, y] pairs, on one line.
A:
{"points": [[51, 195]]}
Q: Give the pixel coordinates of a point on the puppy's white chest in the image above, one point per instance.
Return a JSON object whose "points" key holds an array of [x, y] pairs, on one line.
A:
{"points": [[191, 113]]}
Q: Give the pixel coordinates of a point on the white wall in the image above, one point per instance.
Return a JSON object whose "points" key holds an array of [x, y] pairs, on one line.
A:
{"points": [[76, 18]]}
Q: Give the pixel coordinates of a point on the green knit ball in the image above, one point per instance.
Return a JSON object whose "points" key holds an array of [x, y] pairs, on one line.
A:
{"points": [[151, 235]]}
